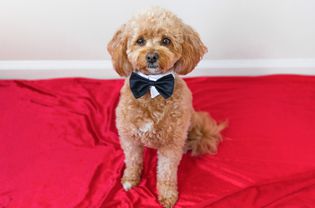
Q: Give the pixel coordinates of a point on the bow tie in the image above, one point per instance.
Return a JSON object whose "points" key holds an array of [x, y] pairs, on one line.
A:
{"points": [[140, 86]]}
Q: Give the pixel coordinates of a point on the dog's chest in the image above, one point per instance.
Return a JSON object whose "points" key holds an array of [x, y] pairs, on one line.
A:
{"points": [[150, 116], [151, 122]]}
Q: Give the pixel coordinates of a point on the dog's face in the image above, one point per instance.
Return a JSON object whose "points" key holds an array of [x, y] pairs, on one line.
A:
{"points": [[153, 52], [155, 42]]}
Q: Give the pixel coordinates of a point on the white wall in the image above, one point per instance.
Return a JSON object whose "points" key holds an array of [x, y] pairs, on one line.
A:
{"points": [[232, 29], [244, 37]]}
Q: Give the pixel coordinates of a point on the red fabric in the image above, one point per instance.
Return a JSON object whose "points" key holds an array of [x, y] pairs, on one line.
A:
{"points": [[59, 146]]}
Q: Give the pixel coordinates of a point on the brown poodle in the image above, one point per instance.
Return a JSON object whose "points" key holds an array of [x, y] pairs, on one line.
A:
{"points": [[154, 48]]}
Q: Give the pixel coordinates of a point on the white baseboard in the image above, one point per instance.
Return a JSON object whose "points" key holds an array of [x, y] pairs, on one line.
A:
{"points": [[43, 69]]}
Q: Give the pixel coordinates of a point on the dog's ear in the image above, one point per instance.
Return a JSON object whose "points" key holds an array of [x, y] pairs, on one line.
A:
{"points": [[192, 51], [117, 49]]}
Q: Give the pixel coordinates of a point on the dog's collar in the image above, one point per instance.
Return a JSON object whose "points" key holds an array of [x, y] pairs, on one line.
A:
{"points": [[153, 77]]}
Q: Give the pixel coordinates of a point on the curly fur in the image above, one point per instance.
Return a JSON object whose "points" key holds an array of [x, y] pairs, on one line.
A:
{"points": [[171, 126]]}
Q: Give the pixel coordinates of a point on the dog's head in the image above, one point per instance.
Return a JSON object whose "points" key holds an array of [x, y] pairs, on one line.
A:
{"points": [[154, 42]]}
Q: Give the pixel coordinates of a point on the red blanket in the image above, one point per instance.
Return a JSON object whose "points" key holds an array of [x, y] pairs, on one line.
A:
{"points": [[59, 146]]}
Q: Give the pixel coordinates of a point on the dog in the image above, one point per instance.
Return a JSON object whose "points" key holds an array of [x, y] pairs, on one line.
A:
{"points": [[155, 108]]}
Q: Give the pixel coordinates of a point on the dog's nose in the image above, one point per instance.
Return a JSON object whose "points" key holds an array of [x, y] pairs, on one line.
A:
{"points": [[152, 57]]}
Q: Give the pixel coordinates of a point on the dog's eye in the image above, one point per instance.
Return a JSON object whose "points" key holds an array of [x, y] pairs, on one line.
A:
{"points": [[140, 41], [165, 41]]}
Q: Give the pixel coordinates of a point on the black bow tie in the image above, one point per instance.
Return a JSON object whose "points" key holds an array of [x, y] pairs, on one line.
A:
{"points": [[140, 86]]}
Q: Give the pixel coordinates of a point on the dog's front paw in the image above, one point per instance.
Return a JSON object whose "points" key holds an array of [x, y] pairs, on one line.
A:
{"points": [[127, 185], [131, 178], [168, 195]]}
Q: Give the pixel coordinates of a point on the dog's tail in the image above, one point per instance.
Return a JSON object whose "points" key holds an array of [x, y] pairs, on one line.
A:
{"points": [[204, 134]]}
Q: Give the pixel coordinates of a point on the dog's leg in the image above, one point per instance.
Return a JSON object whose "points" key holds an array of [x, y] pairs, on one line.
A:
{"points": [[168, 161], [133, 161]]}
